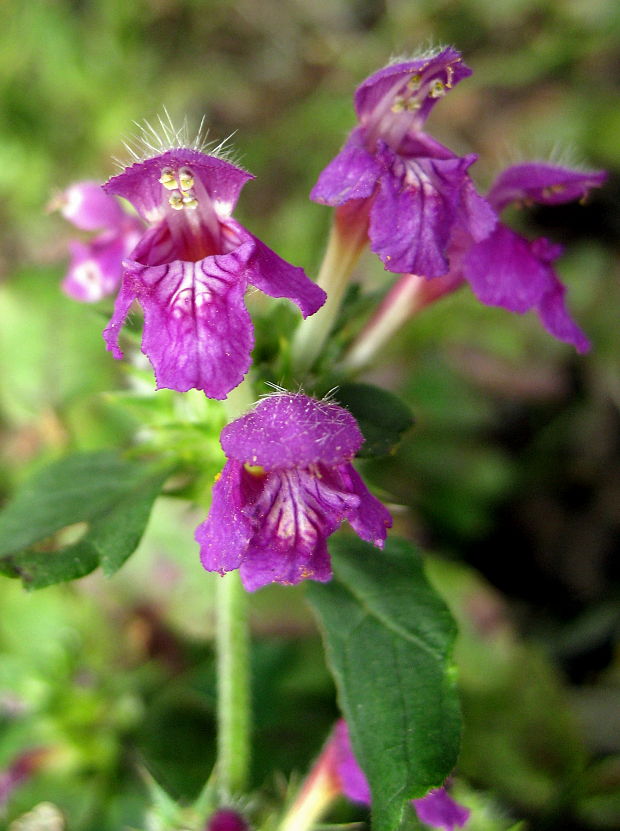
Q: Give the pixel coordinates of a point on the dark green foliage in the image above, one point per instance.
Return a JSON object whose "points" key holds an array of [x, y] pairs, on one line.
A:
{"points": [[79, 513], [381, 415], [389, 640]]}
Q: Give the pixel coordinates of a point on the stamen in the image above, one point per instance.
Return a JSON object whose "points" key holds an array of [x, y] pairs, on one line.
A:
{"points": [[186, 179], [254, 470], [437, 89], [189, 201], [176, 200], [168, 179]]}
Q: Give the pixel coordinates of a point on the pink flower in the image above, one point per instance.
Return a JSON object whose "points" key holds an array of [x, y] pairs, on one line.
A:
{"points": [[287, 485], [96, 266], [191, 268]]}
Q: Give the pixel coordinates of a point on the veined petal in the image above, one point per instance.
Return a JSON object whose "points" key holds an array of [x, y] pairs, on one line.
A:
{"points": [[87, 207], [197, 331], [225, 534], [293, 516], [352, 174], [504, 271], [95, 268], [287, 430], [370, 519], [477, 217], [547, 184], [416, 209], [277, 278], [140, 184]]}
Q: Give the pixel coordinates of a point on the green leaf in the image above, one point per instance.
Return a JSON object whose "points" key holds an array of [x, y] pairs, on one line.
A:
{"points": [[79, 513], [381, 415], [389, 639]]}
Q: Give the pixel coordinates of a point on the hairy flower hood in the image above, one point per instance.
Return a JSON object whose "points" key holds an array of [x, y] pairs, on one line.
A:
{"points": [[287, 485]]}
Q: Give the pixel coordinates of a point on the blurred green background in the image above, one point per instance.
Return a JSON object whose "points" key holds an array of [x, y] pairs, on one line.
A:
{"points": [[510, 477]]}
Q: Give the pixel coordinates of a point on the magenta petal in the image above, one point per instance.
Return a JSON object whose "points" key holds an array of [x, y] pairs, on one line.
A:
{"points": [[556, 318], [140, 185], [503, 271], [445, 66], [225, 534], [292, 431], [440, 810], [197, 331], [295, 487], [352, 174], [413, 214], [277, 278], [124, 299], [86, 206], [95, 268], [547, 184], [262, 565], [293, 515], [353, 782], [476, 217], [370, 519]]}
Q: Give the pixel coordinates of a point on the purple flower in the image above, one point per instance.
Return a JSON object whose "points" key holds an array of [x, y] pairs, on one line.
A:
{"points": [[191, 268], [437, 808], [507, 270], [96, 266], [287, 485], [412, 191]]}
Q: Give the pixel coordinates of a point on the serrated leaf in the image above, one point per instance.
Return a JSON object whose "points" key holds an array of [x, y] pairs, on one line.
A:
{"points": [[381, 415], [79, 513], [389, 639]]}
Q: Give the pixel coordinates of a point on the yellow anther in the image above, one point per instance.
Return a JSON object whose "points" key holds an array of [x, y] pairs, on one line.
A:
{"points": [[186, 180], [414, 82], [399, 104], [254, 470], [176, 201], [437, 89], [189, 201], [168, 179]]}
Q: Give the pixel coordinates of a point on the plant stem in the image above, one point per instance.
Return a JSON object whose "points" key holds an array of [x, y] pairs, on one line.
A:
{"points": [[347, 239], [233, 685], [232, 640], [399, 306], [315, 797], [408, 296]]}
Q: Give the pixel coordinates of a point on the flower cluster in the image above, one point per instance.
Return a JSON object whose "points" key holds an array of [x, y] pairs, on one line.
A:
{"points": [[287, 485], [288, 482], [415, 192], [95, 269], [422, 211]]}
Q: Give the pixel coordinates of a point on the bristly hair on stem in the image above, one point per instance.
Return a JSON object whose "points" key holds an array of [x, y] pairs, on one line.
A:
{"points": [[153, 140]]}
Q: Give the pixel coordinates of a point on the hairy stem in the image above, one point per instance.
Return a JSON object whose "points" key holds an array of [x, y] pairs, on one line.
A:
{"points": [[233, 685]]}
